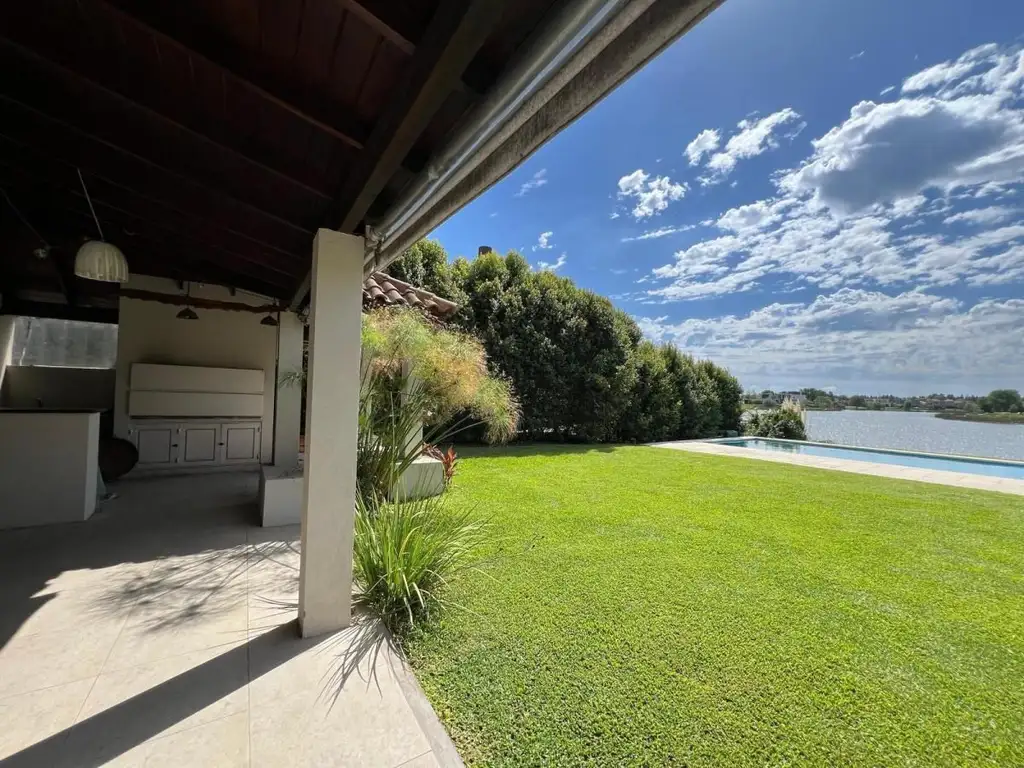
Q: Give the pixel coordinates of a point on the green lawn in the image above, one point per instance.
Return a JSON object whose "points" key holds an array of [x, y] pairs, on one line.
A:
{"points": [[653, 607]]}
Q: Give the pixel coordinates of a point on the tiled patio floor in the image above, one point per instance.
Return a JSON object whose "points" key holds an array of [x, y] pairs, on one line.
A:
{"points": [[162, 632]]}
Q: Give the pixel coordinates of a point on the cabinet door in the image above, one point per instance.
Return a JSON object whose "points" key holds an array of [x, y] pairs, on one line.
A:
{"points": [[199, 444], [157, 444], [241, 442]]}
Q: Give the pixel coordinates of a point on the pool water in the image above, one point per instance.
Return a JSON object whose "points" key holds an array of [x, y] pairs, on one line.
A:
{"points": [[1013, 470]]}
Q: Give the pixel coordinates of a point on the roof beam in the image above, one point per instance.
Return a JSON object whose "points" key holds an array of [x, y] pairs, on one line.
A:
{"points": [[90, 82], [454, 36], [188, 261], [25, 308], [188, 39], [394, 23], [72, 203], [456, 32], [27, 125], [383, 19], [182, 214]]}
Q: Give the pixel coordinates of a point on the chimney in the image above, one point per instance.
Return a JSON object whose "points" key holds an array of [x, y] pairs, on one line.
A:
{"points": [[484, 249]]}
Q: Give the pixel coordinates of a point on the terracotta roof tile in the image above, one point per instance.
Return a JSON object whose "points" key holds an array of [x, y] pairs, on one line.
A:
{"points": [[380, 289]]}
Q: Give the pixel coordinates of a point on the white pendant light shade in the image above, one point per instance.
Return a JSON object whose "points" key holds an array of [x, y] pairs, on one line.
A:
{"points": [[101, 261]]}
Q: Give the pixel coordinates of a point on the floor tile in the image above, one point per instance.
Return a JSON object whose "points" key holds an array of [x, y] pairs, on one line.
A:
{"points": [[332, 701], [31, 717], [223, 743], [210, 684], [173, 630], [31, 662]]}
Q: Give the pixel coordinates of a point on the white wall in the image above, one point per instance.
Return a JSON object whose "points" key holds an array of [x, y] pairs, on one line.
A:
{"points": [[48, 464], [25, 386], [149, 332], [6, 343]]}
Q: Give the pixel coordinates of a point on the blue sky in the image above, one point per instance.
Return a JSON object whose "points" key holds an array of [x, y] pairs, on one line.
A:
{"points": [[811, 193]]}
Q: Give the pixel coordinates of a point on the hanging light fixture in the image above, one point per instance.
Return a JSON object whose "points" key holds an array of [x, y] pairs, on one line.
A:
{"points": [[98, 259], [269, 320], [187, 313]]}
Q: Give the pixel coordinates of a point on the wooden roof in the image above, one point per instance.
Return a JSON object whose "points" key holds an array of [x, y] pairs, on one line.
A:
{"points": [[216, 136]]}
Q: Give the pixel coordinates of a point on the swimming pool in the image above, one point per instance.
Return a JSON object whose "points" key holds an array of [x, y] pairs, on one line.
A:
{"points": [[1009, 469]]}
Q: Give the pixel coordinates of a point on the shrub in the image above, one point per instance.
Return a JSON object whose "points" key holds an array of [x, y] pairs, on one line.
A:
{"points": [[784, 422], [404, 555], [448, 460]]}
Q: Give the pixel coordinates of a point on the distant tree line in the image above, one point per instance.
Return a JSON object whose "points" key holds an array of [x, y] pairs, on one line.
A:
{"points": [[580, 367], [1002, 401]]}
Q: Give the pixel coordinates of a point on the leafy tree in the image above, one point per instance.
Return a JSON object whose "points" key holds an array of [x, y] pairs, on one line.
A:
{"points": [[1000, 401], [784, 422], [653, 410], [425, 265], [578, 365], [858, 401]]}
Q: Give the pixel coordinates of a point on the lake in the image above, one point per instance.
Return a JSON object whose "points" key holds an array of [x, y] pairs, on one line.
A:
{"points": [[916, 432]]}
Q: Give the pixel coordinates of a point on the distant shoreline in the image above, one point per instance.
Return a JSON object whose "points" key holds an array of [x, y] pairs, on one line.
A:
{"points": [[984, 418]]}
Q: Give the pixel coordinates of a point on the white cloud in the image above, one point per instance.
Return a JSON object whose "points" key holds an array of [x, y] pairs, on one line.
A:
{"points": [[981, 216], [753, 216], [790, 237], [857, 55], [707, 141], [492, 215], [660, 232], [544, 241], [539, 179], [949, 71], [545, 266], [892, 150], [892, 210], [850, 335], [886, 90], [754, 138], [652, 195], [614, 215]]}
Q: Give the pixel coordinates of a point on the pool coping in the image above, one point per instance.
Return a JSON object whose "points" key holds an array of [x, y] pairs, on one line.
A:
{"points": [[865, 449], [893, 471]]}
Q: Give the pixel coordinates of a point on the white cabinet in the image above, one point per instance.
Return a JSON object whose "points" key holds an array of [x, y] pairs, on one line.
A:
{"points": [[241, 443], [196, 443], [157, 445]]}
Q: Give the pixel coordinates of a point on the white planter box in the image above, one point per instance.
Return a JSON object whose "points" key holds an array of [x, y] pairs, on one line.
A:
{"points": [[280, 496], [423, 478]]}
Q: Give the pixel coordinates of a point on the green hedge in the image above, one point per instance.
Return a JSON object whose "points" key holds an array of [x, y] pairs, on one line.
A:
{"points": [[580, 367]]}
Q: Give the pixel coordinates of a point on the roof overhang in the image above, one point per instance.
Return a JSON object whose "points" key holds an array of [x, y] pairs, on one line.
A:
{"points": [[212, 143]]}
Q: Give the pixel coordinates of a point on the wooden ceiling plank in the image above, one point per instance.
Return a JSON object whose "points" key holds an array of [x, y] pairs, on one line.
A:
{"points": [[373, 14], [30, 161], [352, 135], [456, 32], [64, 198], [188, 180], [141, 247], [92, 83]]}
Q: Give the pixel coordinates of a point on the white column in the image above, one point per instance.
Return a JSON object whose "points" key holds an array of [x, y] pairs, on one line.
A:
{"points": [[332, 423], [288, 408]]}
